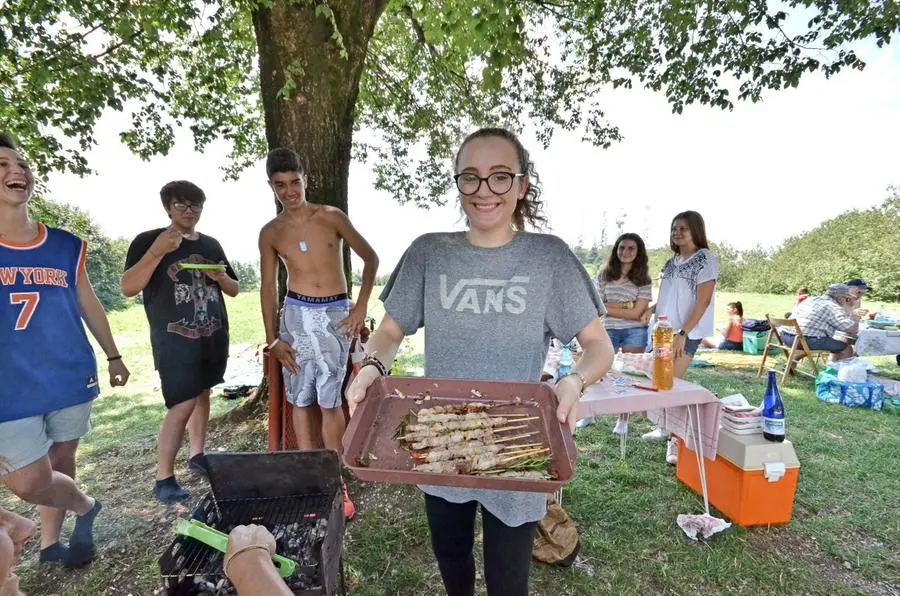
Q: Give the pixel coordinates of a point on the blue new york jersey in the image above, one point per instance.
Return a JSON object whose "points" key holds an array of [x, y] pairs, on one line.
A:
{"points": [[46, 361]]}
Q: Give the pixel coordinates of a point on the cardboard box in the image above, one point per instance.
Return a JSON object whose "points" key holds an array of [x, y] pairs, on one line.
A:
{"points": [[752, 481]]}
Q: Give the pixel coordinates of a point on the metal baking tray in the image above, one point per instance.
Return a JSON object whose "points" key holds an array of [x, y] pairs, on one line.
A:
{"points": [[373, 454]]}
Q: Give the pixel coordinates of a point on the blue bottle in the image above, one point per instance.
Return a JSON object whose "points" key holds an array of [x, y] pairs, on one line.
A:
{"points": [[773, 411], [566, 362]]}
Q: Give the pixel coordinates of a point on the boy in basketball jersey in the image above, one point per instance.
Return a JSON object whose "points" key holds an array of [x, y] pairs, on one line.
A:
{"points": [[47, 365], [317, 323], [188, 323]]}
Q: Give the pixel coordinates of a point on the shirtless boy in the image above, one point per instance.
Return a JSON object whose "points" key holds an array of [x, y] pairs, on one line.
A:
{"points": [[317, 323]]}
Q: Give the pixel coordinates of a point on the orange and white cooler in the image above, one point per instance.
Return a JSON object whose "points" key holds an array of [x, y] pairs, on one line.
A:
{"points": [[752, 481]]}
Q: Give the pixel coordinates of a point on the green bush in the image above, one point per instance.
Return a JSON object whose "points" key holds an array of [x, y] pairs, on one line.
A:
{"points": [[106, 256], [248, 274]]}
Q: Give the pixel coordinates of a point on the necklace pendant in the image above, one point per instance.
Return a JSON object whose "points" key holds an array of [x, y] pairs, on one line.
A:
{"points": [[303, 247]]}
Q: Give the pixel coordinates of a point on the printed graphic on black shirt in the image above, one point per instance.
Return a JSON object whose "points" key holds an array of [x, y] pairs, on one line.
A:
{"points": [[194, 286]]}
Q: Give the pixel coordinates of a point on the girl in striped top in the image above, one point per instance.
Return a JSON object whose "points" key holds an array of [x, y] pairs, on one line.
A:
{"points": [[625, 287]]}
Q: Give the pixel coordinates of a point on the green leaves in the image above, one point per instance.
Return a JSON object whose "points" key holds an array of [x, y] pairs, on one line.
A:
{"points": [[433, 70], [106, 256], [171, 62], [856, 243], [324, 11]]}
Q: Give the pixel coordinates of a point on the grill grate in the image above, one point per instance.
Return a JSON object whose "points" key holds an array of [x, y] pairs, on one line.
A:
{"points": [[296, 495], [299, 524]]}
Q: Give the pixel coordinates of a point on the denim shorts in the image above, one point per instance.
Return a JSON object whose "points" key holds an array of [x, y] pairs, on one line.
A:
{"points": [[634, 337], [728, 344]]}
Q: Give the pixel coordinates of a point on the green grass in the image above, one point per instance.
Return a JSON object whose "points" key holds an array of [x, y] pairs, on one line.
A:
{"points": [[843, 539]]}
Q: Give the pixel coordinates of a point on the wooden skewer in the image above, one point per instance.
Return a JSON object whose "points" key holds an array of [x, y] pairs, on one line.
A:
{"points": [[523, 445], [507, 415], [496, 430], [515, 437], [531, 450], [525, 454], [506, 428], [519, 447], [521, 451]]}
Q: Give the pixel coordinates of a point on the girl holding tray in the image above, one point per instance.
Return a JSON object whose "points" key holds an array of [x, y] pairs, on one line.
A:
{"points": [[492, 285]]}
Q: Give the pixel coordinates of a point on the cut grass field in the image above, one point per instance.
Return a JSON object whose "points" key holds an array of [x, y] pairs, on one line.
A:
{"points": [[843, 539]]}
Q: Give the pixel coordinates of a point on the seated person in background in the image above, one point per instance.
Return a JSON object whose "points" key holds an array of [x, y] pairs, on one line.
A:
{"points": [[820, 318], [802, 294], [858, 289], [248, 562], [731, 335]]}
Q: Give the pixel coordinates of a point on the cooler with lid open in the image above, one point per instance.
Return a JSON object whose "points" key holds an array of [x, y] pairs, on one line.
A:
{"points": [[752, 481]]}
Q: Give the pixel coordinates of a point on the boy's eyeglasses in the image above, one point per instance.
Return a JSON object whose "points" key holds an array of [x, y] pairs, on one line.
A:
{"points": [[182, 206]]}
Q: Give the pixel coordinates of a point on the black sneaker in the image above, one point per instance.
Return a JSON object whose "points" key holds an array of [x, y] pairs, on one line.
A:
{"points": [[169, 491], [55, 553], [198, 464]]}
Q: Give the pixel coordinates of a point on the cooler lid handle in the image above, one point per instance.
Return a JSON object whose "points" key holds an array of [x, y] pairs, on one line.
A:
{"points": [[773, 471]]}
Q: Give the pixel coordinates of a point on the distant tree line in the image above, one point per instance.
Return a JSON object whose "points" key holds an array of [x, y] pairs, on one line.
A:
{"points": [[106, 256], [856, 243]]}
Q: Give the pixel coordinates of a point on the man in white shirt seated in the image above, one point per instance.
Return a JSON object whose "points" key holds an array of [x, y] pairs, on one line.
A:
{"points": [[821, 317]]}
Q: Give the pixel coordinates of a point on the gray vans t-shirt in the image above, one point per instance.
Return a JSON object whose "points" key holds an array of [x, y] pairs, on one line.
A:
{"points": [[489, 313]]}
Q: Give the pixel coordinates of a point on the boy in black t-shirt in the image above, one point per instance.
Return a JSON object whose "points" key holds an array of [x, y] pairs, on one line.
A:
{"points": [[182, 275]]}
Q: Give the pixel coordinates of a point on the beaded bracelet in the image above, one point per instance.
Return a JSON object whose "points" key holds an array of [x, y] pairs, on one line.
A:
{"points": [[371, 360]]}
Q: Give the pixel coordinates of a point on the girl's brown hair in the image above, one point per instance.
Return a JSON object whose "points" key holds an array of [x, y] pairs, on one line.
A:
{"points": [[738, 307], [695, 223], [530, 208], [639, 272]]}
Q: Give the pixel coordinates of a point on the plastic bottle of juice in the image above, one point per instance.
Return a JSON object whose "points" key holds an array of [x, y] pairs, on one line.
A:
{"points": [[566, 362], [773, 411], [663, 337]]}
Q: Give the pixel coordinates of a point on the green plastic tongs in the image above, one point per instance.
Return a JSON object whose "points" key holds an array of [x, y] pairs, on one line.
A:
{"points": [[211, 537]]}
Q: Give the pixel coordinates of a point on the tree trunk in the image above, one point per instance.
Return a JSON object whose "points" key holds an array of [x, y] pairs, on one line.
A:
{"points": [[315, 118]]}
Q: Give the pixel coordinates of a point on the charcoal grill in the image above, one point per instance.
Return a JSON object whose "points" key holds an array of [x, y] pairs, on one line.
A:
{"points": [[296, 494]]}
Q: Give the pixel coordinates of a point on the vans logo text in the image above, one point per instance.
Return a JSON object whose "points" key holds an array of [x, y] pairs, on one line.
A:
{"points": [[484, 296]]}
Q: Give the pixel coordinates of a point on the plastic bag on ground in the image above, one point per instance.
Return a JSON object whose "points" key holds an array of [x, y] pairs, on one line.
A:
{"points": [[701, 525]]}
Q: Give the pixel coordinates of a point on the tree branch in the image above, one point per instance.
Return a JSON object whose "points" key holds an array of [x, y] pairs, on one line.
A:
{"points": [[770, 19], [78, 37], [419, 30], [462, 81]]}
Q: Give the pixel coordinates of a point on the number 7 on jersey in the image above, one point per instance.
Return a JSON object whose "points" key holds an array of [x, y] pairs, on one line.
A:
{"points": [[29, 300]]}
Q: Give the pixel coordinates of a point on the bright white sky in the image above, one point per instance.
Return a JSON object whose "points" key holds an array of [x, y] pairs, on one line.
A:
{"points": [[798, 158]]}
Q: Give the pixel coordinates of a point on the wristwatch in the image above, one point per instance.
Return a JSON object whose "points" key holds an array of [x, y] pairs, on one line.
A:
{"points": [[681, 332]]}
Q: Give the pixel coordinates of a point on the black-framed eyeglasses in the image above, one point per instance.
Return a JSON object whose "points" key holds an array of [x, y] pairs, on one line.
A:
{"points": [[182, 206], [499, 183]]}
